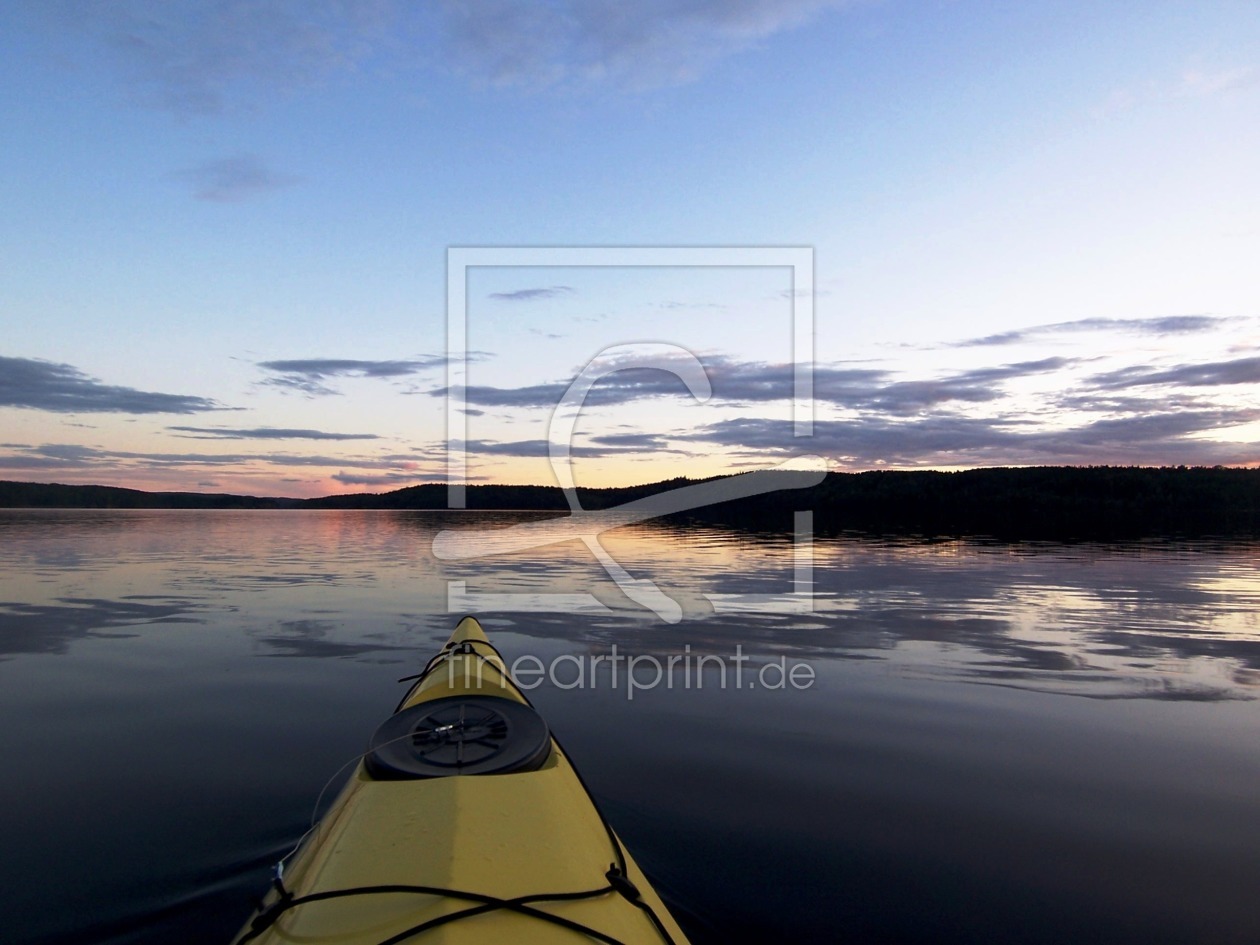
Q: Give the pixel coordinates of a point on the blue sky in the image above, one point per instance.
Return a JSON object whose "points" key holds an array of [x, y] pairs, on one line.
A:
{"points": [[226, 225]]}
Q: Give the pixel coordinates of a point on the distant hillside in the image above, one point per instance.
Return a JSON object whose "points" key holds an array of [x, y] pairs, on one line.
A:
{"points": [[1040, 502], [433, 496], [1043, 501], [41, 495], [1059, 502]]}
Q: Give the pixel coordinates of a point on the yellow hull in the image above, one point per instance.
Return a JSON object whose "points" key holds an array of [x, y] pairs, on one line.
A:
{"points": [[489, 839]]}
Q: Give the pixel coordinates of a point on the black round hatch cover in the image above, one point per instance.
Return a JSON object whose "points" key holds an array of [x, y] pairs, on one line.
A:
{"points": [[459, 735]]}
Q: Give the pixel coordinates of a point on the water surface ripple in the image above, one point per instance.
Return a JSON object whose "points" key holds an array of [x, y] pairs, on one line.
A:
{"points": [[1023, 743]]}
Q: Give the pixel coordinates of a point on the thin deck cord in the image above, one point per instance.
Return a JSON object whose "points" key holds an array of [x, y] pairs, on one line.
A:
{"points": [[617, 874]]}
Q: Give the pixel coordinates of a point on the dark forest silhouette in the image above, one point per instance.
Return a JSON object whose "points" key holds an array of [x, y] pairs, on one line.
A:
{"points": [[1063, 502]]}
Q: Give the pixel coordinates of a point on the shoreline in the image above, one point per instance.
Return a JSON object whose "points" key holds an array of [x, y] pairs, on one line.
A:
{"points": [[1022, 502]]}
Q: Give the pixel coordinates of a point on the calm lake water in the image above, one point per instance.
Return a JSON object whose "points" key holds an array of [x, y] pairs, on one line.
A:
{"points": [[1000, 743]]}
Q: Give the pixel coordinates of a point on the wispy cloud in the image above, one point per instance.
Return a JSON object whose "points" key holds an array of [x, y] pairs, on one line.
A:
{"points": [[745, 382], [233, 179], [203, 58], [67, 451], [949, 440], [75, 456], [674, 305], [1199, 82], [978, 416], [975, 386], [1213, 374], [48, 385], [731, 380], [1086, 399], [268, 433], [802, 293], [618, 444], [208, 58], [578, 42], [535, 449], [1159, 326], [307, 375], [1192, 83], [388, 479], [632, 441], [534, 294]]}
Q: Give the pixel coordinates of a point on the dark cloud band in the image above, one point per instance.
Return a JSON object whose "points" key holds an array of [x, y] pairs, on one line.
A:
{"points": [[306, 375], [61, 388], [268, 433], [533, 295], [1163, 325], [233, 179]]}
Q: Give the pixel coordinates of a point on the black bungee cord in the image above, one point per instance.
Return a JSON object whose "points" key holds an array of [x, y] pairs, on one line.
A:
{"points": [[617, 876]]}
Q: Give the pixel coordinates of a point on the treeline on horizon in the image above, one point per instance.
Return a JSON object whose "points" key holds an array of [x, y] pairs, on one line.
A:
{"points": [[1063, 502]]}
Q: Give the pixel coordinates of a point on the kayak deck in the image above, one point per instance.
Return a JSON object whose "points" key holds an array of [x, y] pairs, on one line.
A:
{"points": [[485, 841]]}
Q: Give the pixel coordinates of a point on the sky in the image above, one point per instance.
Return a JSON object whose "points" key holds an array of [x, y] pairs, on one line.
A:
{"points": [[1032, 232]]}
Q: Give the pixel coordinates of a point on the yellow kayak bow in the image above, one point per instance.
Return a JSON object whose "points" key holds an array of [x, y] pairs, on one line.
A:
{"points": [[465, 823]]}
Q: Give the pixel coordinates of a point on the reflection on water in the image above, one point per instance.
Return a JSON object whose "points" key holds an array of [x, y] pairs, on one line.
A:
{"points": [[1032, 742]]}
